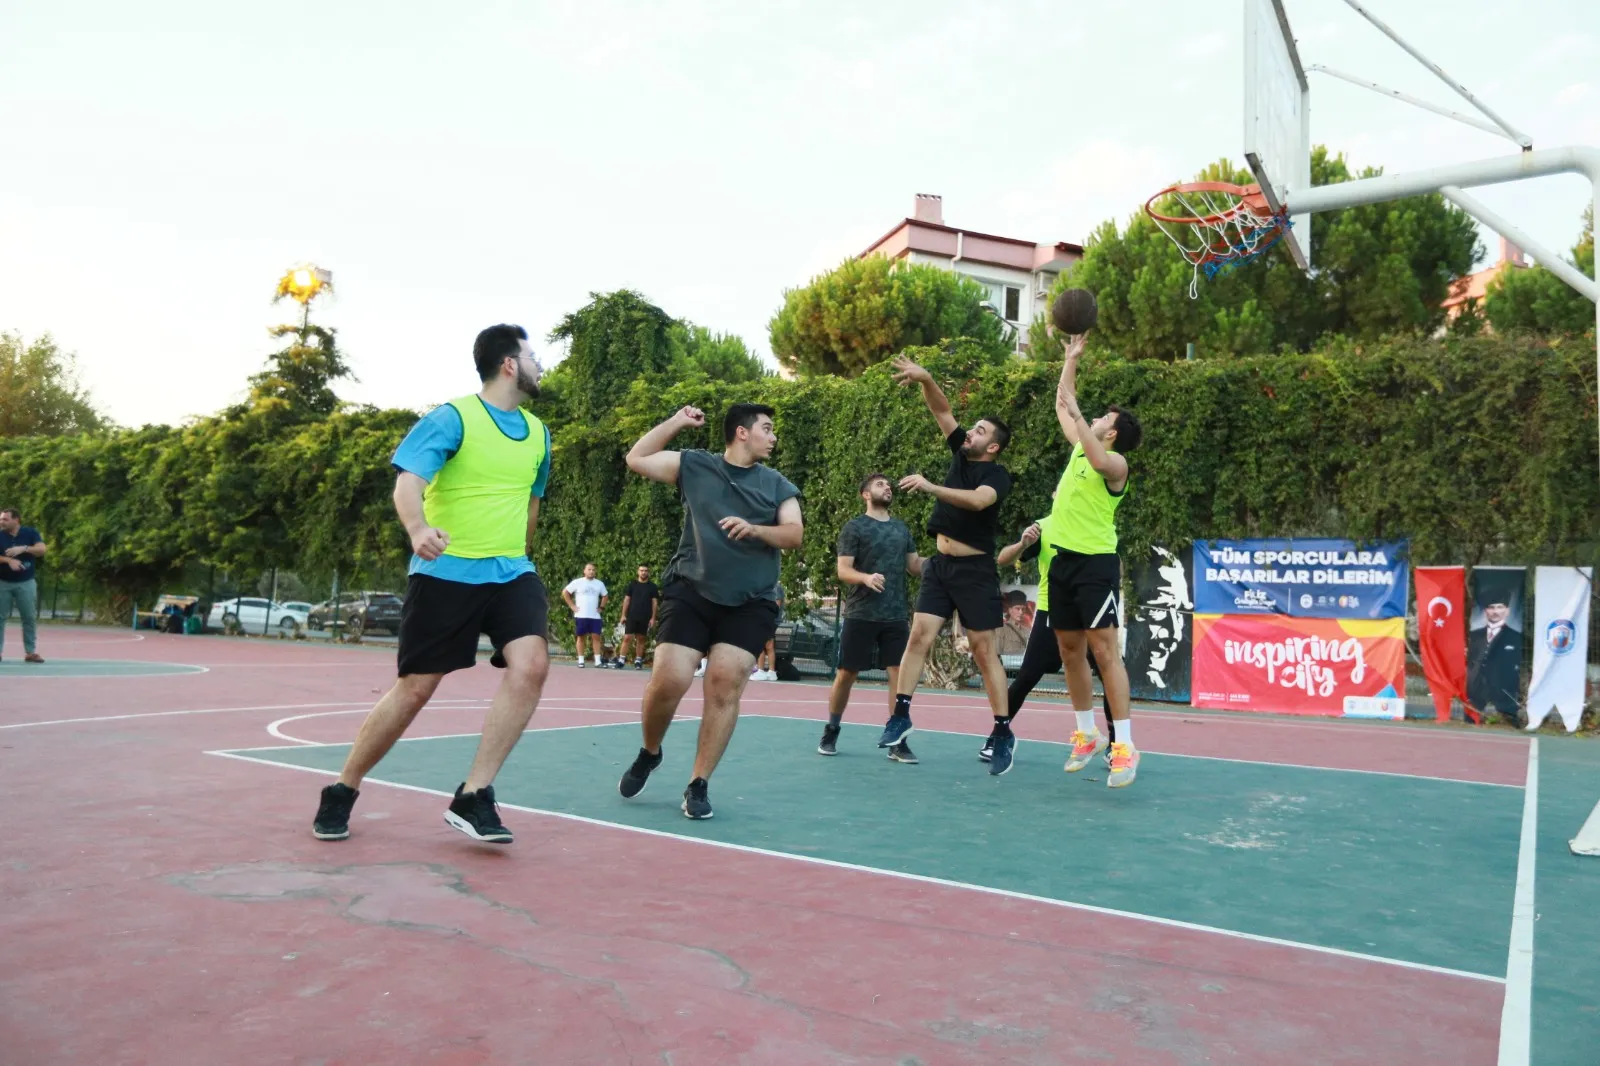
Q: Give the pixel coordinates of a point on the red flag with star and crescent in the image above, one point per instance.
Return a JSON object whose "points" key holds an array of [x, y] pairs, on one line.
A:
{"points": [[1442, 633]]}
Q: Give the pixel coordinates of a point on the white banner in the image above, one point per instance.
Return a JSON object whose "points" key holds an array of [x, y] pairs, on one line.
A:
{"points": [[1560, 644]]}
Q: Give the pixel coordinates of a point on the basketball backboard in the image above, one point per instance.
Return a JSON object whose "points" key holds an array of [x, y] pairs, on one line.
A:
{"points": [[1277, 116]]}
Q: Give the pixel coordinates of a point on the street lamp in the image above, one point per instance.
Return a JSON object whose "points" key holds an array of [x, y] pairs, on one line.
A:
{"points": [[304, 283]]}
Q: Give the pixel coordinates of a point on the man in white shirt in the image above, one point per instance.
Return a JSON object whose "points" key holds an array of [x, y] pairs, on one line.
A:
{"points": [[586, 597]]}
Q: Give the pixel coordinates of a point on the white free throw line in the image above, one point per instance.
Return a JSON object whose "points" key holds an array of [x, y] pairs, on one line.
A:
{"points": [[1171, 923], [1516, 1031]]}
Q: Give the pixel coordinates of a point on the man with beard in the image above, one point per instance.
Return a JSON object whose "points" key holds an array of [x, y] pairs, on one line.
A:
{"points": [[875, 554], [719, 599], [470, 476], [961, 578]]}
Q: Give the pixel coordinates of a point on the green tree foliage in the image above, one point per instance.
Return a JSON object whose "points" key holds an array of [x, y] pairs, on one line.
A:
{"points": [[1537, 300], [297, 382], [718, 356], [866, 310], [39, 390], [614, 339], [1379, 270]]}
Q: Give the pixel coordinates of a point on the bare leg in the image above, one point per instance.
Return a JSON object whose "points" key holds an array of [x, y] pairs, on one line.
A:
{"points": [[1113, 672], [894, 684], [527, 665], [727, 673], [386, 723], [924, 629], [839, 694], [987, 658], [670, 676], [1074, 645]]}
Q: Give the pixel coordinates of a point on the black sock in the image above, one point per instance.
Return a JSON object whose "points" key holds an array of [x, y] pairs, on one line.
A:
{"points": [[902, 706], [1002, 725], [835, 719]]}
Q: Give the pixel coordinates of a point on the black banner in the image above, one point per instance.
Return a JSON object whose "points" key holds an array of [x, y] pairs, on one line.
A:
{"points": [[1161, 626]]}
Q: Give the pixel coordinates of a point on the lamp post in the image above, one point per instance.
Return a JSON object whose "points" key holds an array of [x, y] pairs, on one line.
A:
{"points": [[304, 283]]}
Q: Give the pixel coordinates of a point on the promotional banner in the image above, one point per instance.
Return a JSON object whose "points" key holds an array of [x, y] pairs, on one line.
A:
{"points": [[1301, 578], [1159, 633], [1561, 643], [1442, 634], [1494, 641], [1333, 666]]}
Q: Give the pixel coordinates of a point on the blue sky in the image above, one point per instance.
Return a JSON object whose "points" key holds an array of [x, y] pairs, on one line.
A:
{"points": [[464, 165]]}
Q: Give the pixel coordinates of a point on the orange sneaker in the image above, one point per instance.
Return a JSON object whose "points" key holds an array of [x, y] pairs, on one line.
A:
{"points": [[1084, 748], [1124, 765]]}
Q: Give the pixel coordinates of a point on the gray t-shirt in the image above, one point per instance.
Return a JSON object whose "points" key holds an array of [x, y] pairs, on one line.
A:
{"points": [[878, 548], [729, 572]]}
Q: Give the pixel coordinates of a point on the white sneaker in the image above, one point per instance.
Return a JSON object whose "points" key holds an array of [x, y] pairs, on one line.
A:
{"points": [[702, 671], [772, 675]]}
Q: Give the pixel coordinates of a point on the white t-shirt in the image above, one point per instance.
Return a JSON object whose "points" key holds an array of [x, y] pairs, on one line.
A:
{"points": [[587, 591]]}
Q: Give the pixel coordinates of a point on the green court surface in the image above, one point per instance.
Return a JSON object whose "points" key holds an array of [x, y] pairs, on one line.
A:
{"points": [[1412, 869], [1566, 971], [93, 668]]}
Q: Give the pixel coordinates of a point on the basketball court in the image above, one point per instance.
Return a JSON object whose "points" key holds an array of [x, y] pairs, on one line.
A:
{"points": [[1271, 890]]}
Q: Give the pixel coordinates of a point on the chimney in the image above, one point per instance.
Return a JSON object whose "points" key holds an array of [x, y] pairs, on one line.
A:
{"points": [[928, 208], [1510, 253]]}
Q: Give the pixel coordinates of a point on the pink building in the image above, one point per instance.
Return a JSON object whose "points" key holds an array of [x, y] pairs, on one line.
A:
{"points": [[1472, 288], [1017, 273]]}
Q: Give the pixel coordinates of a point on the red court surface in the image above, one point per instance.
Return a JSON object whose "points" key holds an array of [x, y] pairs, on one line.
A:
{"points": [[165, 905]]}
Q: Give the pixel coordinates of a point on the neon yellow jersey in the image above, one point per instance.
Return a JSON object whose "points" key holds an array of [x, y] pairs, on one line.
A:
{"points": [[481, 493], [1084, 511], [1047, 552]]}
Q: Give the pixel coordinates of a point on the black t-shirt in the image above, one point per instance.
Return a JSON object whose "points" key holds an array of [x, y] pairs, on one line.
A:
{"points": [[976, 529], [642, 596], [24, 537]]}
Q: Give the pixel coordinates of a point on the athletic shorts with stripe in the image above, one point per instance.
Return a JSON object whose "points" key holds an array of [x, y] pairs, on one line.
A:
{"points": [[1085, 590]]}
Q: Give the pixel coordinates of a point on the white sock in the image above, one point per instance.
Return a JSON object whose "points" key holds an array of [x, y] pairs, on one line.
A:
{"points": [[1085, 721], [597, 659], [1125, 732]]}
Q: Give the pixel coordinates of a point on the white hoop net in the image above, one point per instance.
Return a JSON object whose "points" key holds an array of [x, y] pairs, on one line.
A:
{"points": [[1217, 228]]}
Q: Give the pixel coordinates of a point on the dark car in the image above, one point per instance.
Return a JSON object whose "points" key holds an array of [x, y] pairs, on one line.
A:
{"points": [[358, 613], [814, 637]]}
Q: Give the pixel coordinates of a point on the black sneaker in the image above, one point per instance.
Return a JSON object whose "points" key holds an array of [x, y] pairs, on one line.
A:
{"points": [[1004, 742], [896, 729], [901, 752], [633, 780], [333, 813], [696, 804], [987, 751], [830, 737], [475, 814], [638, 664]]}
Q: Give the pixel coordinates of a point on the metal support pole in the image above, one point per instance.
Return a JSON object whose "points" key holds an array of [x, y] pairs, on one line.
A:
{"points": [[266, 621], [333, 625], [1514, 233]]}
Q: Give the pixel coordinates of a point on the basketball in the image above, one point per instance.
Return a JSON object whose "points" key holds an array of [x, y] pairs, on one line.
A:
{"points": [[1074, 311]]}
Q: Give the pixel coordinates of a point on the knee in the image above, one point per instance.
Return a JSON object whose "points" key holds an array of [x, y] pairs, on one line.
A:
{"points": [[414, 690], [530, 673]]}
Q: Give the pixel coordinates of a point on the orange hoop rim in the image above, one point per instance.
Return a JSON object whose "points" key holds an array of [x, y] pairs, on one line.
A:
{"points": [[1251, 200]]}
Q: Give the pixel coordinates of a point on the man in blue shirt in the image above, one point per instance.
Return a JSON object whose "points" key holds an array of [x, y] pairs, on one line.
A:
{"points": [[20, 549], [469, 479]]}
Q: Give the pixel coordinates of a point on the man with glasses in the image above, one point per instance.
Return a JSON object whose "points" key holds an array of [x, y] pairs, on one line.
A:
{"points": [[470, 476]]}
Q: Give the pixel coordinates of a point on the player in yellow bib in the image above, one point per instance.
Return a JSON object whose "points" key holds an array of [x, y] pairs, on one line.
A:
{"points": [[1086, 575]]}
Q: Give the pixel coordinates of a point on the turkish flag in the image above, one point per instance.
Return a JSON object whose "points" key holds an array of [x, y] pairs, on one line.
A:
{"points": [[1442, 632]]}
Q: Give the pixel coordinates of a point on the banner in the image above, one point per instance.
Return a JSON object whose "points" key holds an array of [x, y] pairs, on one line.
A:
{"points": [[1351, 667], [1301, 578], [1159, 626], [1442, 633], [1494, 641], [1561, 647]]}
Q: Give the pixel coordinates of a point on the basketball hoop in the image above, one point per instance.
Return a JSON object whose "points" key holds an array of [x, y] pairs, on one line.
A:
{"points": [[1220, 225]]}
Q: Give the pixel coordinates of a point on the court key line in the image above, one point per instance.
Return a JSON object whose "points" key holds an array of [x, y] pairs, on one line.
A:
{"points": [[200, 710], [1516, 1014], [1171, 923], [274, 729], [184, 670]]}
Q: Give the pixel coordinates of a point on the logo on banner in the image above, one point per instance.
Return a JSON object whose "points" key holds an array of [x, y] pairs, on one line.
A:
{"points": [[1561, 636], [1255, 600]]}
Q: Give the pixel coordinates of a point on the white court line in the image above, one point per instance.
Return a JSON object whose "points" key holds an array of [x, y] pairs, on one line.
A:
{"points": [[1516, 1014], [130, 638], [274, 727], [202, 710], [1171, 923], [298, 744]]}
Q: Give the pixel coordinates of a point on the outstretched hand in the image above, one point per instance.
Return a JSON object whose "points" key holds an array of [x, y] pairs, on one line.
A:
{"points": [[906, 371], [914, 483], [1072, 346], [1030, 534], [692, 416]]}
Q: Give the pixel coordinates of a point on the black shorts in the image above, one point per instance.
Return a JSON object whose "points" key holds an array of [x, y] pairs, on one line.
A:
{"points": [[1085, 590], [636, 627], [862, 637], [968, 585], [692, 621], [441, 620]]}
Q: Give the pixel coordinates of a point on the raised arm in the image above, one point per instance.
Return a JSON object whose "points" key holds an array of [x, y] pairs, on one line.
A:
{"points": [[967, 499], [1108, 464], [1011, 552], [786, 534], [1067, 387], [905, 372], [429, 543], [647, 459]]}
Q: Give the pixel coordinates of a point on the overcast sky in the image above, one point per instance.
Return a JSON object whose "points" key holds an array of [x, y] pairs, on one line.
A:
{"points": [[460, 165]]}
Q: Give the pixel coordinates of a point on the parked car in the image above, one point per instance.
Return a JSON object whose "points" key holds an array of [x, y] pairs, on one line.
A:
{"points": [[297, 606], [814, 637], [254, 614], [358, 613]]}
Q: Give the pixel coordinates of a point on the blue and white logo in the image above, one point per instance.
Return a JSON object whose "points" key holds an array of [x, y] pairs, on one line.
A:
{"points": [[1561, 636]]}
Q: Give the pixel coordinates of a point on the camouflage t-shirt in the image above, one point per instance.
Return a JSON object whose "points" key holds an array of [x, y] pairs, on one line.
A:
{"points": [[878, 548]]}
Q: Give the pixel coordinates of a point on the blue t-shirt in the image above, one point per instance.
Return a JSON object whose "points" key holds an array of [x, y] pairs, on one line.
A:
{"points": [[425, 450], [20, 539]]}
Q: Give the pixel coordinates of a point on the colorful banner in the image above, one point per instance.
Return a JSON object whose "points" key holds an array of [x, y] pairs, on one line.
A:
{"points": [[1350, 667], [1560, 651], [1442, 634], [1159, 626], [1301, 578], [1494, 641]]}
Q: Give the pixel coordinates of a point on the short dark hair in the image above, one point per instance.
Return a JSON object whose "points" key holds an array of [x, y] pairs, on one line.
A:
{"points": [[1129, 432], [1002, 432], [869, 479], [1016, 598], [12, 511], [743, 416], [494, 345]]}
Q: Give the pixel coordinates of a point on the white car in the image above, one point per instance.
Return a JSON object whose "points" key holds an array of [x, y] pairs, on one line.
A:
{"points": [[254, 614]]}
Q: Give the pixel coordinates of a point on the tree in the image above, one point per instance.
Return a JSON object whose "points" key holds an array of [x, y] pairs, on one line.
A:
{"points": [[39, 391], [1539, 301], [1379, 269], [298, 381], [717, 356], [866, 310], [614, 339]]}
